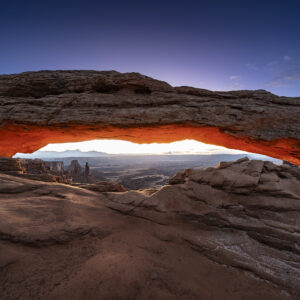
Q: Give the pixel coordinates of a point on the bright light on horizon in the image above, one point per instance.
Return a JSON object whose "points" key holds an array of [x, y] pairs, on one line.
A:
{"points": [[125, 147]]}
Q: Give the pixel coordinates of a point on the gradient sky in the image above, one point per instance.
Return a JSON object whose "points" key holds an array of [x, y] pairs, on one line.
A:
{"points": [[125, 147], [218, 45]]}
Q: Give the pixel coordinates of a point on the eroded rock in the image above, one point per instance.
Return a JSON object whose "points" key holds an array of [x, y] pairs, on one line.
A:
{"points": [[247, 209], [35, 169], [37, 108], [229, 232]]}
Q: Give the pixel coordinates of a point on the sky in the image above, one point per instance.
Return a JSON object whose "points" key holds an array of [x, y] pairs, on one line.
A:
{"points": [[216, 45], [125, 147]]}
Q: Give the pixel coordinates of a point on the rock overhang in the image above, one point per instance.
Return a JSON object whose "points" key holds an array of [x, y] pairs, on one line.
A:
{"points": [[38, 108]]}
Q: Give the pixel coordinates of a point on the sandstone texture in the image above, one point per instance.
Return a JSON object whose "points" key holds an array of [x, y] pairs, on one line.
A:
{"points": [[102, 186], [229, 232], [37, 108]]}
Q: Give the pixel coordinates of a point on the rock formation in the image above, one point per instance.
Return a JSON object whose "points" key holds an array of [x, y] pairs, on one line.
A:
{"points": [[250, 211], [37, 108], [80, 174], [57, 166], [75, 170], [11, 166], [102, 186], [35, 169], [87, 169], [54, 171], [229, 232]]}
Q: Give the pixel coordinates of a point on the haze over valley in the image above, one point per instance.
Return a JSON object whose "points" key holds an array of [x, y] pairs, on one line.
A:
{"points": [[141, 171]]}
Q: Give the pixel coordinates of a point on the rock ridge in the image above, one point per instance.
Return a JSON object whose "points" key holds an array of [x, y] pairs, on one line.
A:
{"points": [[236, 224], [248, 209]]}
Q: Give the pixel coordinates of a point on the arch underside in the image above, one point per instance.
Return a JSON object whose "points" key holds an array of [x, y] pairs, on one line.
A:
{"points": [[38, 108], [29, 138]]}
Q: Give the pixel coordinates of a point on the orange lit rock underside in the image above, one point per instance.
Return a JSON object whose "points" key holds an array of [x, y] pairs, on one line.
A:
{"points": [[27, 139]]}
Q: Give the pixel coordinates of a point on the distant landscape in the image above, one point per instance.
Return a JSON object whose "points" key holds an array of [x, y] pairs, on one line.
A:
{"points": [[138, 171]]}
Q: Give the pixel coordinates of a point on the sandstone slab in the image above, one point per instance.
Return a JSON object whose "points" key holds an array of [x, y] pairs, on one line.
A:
{"points": [[207, 235]]}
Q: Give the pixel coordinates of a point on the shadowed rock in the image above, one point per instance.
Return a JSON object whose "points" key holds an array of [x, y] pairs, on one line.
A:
{"points": [[246, 211]]}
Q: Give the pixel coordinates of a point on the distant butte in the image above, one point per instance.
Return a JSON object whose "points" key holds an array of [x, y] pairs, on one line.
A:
{"points": [[38, 108]]}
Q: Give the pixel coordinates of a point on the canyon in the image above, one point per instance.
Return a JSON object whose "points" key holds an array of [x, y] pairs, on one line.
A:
{"points": [[55, 171], [225, 232], [230, 231]]}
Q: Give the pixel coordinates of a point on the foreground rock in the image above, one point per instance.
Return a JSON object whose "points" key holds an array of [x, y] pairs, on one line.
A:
{"points": [[249, 210], [230, 232], [37, 108], [102, 186]]}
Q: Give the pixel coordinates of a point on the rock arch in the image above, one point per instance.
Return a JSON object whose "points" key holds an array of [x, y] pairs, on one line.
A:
{"points": [[38, 108]]}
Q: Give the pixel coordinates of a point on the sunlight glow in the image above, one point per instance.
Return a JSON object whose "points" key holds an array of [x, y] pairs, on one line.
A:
{"points": [[124, 147]]}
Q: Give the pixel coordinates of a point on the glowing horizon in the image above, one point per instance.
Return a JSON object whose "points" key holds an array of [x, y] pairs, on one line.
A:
{"points": [[125, 147]]}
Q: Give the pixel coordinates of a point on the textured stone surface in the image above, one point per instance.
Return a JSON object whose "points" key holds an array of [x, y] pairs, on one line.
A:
{"points": [[54, 171], [249, 211], [230, 232], [35, 169], [37, 108], [102, 186]]}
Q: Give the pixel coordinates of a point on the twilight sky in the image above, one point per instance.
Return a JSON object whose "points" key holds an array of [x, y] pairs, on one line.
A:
{"points": [[218, 45]]}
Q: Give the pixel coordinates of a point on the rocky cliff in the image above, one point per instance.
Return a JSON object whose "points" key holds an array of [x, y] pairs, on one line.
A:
{"points": [[54, 171], [80, 174], [249, 209], [35, 169], [37, 108], [81, 177]]}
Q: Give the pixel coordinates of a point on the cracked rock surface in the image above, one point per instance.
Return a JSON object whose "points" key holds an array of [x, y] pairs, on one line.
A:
{"points": [[229, 232]]}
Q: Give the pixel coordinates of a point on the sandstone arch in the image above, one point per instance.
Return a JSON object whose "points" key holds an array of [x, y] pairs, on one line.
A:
{"points": [[37, 108]]}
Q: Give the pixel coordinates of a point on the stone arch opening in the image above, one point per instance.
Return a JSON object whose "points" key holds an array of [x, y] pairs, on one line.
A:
{"points": [[132, 166], [27, 139], [64, 106]]}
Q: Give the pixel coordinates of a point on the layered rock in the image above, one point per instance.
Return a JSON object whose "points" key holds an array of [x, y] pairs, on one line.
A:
{"points": [[102, 186], [44, 107], [35, 169], [54, 171], [230, 232], [75, 170], [247, 214], [10, 165], [57, 166], [80, 174]]}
